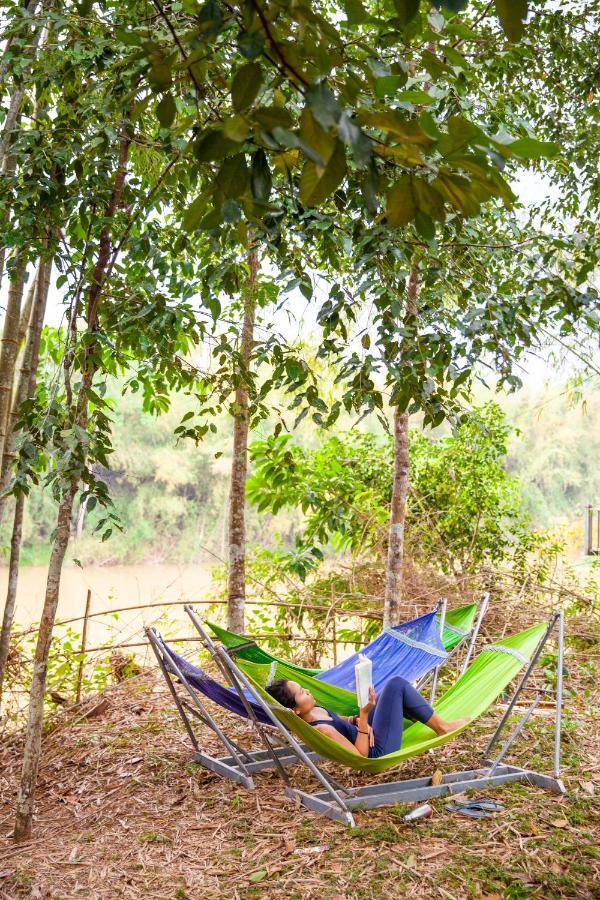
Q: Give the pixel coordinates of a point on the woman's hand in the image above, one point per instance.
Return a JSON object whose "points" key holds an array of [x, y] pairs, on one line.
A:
{"points": [[366, 709]]}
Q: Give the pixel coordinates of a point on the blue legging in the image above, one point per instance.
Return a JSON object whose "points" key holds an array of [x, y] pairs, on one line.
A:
{"points": [[398, 700]]}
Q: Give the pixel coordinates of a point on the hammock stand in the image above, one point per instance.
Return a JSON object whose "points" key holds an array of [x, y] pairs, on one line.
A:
{"points": [[336, 801], [468, 637], [239, 764]]}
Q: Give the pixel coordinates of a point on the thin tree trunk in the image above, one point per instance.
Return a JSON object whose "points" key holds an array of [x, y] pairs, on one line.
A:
{"points": [[27, 307], [27, 376], [8, 169], [31, 8], [8, 160], [26, 388], [14, 109], [400, 484], [10, 344], [35, 720], [11, 591], [236, 584], [33, 732]]}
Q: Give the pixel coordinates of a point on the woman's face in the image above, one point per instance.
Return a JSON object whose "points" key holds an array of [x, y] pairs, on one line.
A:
{"points": [[303, 699]]}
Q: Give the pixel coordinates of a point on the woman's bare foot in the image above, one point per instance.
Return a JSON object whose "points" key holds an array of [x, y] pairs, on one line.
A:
{"points": [[440, 726]]}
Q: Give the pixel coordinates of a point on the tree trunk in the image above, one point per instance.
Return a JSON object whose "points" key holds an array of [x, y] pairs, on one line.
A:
{"points": [[33, 731], [394, 572], [31, 8], [236, 583], [26, 388], [14, 109], [27, 376], [11, 591], [10, 345], [27, 307]]}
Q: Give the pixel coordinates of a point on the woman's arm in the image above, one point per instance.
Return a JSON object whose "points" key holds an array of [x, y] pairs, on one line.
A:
{"points": [[334, 734]]}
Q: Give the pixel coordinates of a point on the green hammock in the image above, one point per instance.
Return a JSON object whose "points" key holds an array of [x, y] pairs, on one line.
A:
{"points": [[458, 624], [473, 693], [330, 696], [254, 653]]}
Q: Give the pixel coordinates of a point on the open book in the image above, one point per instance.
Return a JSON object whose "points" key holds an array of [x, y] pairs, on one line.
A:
{"points": [[363, 671]]}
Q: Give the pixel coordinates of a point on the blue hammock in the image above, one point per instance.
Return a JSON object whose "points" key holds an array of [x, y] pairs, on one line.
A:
{"points": [[411, 650], [226, 697]]}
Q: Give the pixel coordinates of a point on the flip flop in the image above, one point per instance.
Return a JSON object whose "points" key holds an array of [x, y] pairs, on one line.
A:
{"points": [[468, 811], [482, 804]]}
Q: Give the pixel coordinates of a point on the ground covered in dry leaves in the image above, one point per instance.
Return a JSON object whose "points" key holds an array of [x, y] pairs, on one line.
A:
{"points": [[123, 813]]}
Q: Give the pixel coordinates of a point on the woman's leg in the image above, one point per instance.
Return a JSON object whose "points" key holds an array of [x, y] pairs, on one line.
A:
{"points": [[397, 700]]}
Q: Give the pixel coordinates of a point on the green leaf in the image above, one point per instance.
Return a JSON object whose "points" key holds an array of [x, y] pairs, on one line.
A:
{"points": [[406, 10], [512, 15], [388, 84], [313, 135], [323, 105], [355, 12], [424, 226], [434, 66], [194, 213], [246, 85], [211, 220], [401, 204], [352, 135], [428, 199], [454, 5], [251, 45], [459, 192], [233, 176], [236, 129], [316, 183], [397, 123], [272, 117], [231, 211], [258, 876], [260, 177], [166, 111], [529, 148], [159, 75], [213, 145], [415, 96], [210, 18]]}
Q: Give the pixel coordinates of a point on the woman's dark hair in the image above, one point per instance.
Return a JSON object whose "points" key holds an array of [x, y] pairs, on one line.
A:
{"points": [[281, 692]]}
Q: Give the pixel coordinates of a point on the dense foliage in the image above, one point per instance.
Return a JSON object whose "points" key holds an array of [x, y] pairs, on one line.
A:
{"points": [[464, 508]]}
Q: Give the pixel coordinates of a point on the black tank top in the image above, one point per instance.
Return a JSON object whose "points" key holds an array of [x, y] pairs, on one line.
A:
{"points": [[345, 728]]}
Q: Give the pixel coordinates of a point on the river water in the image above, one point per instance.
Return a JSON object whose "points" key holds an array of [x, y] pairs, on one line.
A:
{"points": [[114, 587]]}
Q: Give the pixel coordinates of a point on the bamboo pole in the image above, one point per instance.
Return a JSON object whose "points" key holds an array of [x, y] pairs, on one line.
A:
{"points": [[86, 616]]}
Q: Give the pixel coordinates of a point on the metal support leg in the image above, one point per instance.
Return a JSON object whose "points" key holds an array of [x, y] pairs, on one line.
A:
{"points": [[512, 737], [559, 692], [188, 727], [241, 682], [522, 683], [241, 774], [485, 602], [223, 660], [443, 609]]}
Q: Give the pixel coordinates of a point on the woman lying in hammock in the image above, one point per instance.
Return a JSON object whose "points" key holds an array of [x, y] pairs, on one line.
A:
{"points": [[377, 730]]}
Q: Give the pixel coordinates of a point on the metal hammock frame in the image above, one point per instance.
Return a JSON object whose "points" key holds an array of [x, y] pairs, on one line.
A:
{"points": [[281, 748]]}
